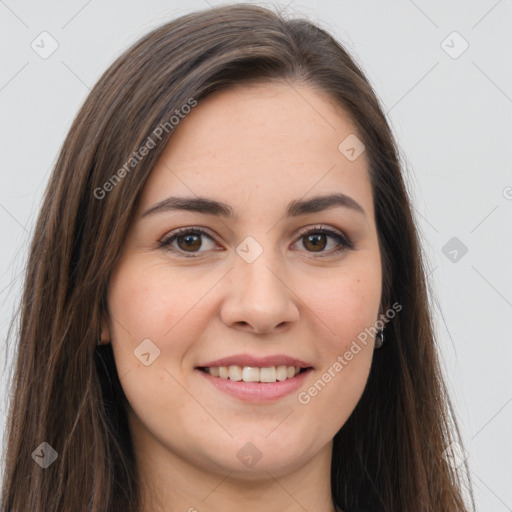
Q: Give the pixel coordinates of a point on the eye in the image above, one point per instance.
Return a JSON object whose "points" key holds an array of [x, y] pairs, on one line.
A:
{"points": [[189, 241], [186, 242], [316, 240]]}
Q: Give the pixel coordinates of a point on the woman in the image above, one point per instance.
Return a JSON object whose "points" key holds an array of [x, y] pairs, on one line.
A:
{"points": [[225, 303]]}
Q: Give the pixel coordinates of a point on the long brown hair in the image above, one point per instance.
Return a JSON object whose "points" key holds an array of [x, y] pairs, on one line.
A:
{"points": [[66, 392]]}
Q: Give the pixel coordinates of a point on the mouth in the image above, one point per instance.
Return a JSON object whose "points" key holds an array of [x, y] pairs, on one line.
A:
{"points": [[267, 374], [256, 379]]}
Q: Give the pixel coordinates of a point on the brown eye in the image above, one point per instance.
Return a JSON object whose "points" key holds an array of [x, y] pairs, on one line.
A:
{"points": [[315, 242], [189, 242], [324, 242]]}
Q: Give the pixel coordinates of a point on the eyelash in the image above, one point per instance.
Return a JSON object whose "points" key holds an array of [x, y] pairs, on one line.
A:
{"points": [[344, 242]]}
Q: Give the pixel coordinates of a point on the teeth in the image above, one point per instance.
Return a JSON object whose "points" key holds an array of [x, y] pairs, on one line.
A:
{"points": [[268, 374], [235, 373], [254, 374], [280, 373], [250, 374]]}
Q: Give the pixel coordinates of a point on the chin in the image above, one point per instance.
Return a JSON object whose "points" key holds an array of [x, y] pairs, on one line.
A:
{"points": [[254, 457]]}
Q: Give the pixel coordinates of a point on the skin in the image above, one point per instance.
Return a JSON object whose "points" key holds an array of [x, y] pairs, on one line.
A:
{"points": [[256, 148]]}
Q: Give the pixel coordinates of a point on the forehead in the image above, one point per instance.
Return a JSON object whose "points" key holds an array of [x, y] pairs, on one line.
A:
{"points": [[274, 118], [263, 141]]}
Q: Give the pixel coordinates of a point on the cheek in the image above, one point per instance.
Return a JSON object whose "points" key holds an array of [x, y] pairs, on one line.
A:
{"points": [[145, 302], [346, 305]]}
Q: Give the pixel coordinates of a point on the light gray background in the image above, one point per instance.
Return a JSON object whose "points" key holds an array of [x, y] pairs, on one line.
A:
{"points": [[452, 118]]}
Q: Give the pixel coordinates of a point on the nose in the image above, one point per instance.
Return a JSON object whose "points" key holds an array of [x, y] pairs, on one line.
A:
{"points": [[258, 297]]}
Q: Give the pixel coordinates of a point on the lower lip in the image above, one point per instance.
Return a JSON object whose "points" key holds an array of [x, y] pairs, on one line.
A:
{"points": [[257, 391]]}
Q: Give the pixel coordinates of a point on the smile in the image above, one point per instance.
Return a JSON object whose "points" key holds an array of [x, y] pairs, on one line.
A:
{"points": [[267, 374]]}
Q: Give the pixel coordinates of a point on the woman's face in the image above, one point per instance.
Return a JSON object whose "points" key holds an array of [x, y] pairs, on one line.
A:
{"points": [[269, 285]]}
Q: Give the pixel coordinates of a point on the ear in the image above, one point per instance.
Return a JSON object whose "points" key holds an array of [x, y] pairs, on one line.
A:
{"points": [[382, 312], [105, 330], [384, 308]]}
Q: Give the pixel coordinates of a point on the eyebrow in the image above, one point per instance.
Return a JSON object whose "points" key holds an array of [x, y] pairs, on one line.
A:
{"points": [[213, 207]]}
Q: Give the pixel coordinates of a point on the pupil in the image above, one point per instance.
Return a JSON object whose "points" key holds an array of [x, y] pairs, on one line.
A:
{"points": [[317, 241], [192, 242]]}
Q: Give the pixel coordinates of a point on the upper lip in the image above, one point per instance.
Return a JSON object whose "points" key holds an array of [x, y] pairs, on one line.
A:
{"points": [[260, 362]]}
